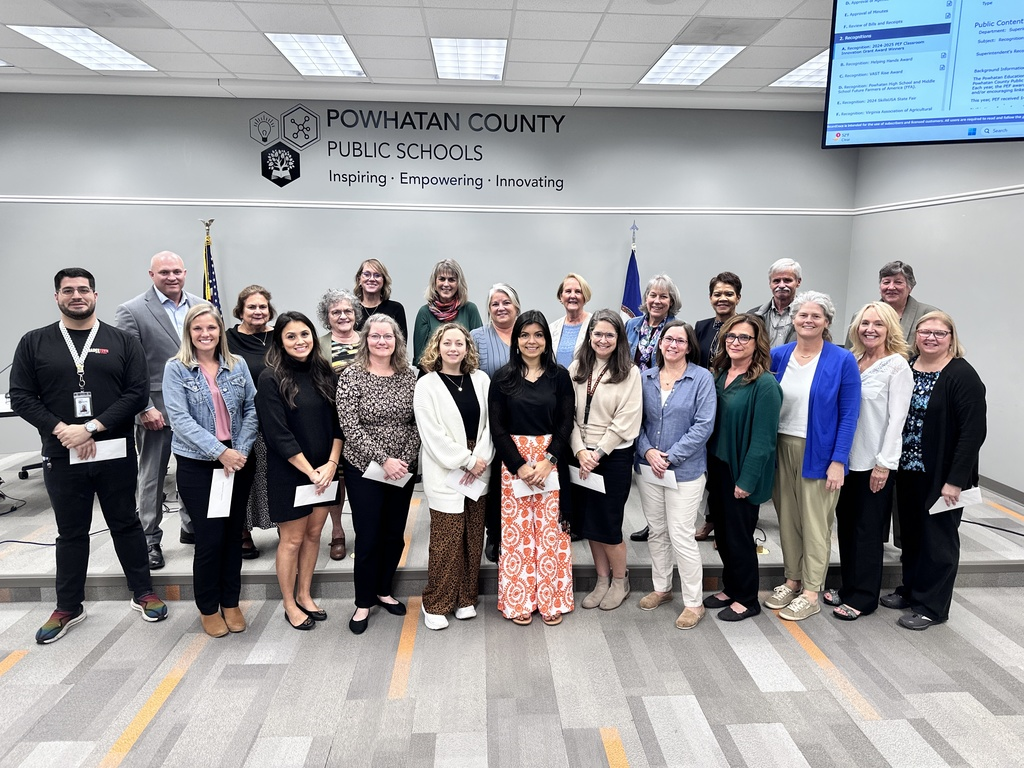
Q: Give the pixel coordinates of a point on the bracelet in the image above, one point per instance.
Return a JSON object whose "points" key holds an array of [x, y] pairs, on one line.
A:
{"points": [[333, 462]]}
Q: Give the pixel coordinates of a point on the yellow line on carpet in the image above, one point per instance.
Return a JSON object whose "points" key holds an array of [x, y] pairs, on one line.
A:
{"points": [[10, 660], [838, 679], [406, 643], [131, 734], [410, 523], [1001, 508], [613, 749]]}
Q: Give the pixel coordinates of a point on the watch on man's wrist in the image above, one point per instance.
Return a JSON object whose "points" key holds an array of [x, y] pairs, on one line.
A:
{"points": [[91, 427]]}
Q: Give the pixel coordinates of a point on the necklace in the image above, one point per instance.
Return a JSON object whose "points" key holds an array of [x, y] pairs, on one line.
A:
{"points": [[462, 380]]}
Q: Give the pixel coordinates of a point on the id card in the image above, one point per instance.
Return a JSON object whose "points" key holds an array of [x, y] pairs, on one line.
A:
{"points": [[83, 404]]}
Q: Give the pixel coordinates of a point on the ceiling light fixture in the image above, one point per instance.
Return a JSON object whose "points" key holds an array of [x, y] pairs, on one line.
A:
{"points": [[810, 74], [689, 64], [468, 59], [318, 55], [85, 47]]}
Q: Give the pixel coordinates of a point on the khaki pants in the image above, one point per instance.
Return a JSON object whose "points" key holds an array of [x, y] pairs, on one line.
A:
{"points": [[806, 513]]}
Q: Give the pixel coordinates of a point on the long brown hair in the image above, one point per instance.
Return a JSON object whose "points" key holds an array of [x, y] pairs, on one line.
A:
{"points": [[762, 360], [619, 364], [324, 379]]}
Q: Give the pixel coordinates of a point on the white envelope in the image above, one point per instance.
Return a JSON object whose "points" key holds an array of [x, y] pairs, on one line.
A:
{"points": [[594, 481], [306, 495], [968, 497], [647, 474], [220, 494], [376, 472], [474, 490], [521, 489], [105, 451]]}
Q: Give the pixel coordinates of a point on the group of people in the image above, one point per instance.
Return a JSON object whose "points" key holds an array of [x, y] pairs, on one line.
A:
{"points": [[525, 432]]}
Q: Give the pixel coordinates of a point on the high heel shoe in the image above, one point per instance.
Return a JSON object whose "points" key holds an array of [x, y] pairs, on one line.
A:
{"points": [[304, 625], [395, 609], [358, 626]]}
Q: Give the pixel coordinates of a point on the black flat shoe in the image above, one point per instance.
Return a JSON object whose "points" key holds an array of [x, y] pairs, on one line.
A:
{"points": [[714, 601], [304, 626], [728, 614], [358, 627], [640, 535], [894, 600], [395, 609], [314, 615], [491, 551]]}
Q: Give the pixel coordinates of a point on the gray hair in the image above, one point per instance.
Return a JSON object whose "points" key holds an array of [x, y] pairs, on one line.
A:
{"points": [[814, 297], [509, 291], [663, 281], [331, 297], [785, 265], [893, 268]]}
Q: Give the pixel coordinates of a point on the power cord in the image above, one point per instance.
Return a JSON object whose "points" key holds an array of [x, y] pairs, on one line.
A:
{"points": [[45, 543]]}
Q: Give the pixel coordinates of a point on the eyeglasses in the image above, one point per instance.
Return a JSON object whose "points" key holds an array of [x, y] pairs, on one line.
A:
{"points": [[600, 335], [342, 312], [82, 290], [737, 338], [670, 341], [937, 335], [372, 275], [376, 337]]}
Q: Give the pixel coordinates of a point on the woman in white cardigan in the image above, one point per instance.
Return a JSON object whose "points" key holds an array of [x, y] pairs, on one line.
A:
{"points": [[567, 332], [451, 413]]}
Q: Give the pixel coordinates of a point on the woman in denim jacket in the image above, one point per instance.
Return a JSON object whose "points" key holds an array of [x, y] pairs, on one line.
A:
{"points": [[210, 400]]}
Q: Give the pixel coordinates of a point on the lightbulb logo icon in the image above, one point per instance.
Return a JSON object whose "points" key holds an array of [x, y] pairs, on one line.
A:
{"points": [[263, 128]]}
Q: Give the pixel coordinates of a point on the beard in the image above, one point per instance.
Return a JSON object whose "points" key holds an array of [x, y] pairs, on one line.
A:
{"points": [[78, 313]]}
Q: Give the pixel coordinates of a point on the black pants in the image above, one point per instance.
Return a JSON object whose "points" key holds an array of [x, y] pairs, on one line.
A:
{"points": [[931, 548], [71, 490], [379, 514], [217, 562], [861, 519], [492, 510], [735, 521]]}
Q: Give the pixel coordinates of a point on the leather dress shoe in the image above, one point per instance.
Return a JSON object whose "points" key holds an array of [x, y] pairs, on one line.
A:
{"points": [[186, 538], [640, 535], [249, 549], [338, 548], [894, 600], [156, 557], [704, 532], [395, 609], [314, 615]]}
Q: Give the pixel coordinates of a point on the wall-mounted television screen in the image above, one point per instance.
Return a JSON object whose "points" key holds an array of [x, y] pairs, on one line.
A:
{"points": [[925, 72]]}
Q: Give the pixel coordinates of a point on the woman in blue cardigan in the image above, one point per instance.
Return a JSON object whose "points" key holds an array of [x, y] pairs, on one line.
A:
{"points": [[820, 406]]}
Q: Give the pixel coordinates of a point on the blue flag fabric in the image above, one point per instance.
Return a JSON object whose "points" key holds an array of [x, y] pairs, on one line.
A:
{"points": [[210, 292], [631, 296]]}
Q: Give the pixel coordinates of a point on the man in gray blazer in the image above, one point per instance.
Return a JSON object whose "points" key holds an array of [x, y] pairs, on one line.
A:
{"points": [[156, 318], [784, 278]]}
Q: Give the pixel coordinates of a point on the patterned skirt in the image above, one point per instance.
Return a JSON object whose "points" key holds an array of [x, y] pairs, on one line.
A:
{"points": [[257, 511], [535, 564]]}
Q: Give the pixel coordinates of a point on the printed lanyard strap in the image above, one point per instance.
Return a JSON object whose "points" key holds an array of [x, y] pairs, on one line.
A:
{"points": [[80, 358]]}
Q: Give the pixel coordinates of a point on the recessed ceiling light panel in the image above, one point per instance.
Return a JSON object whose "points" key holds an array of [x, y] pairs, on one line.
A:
{"points": [[318, 55], [468, 59], [810, 74], [689, 64], [85, 47]]}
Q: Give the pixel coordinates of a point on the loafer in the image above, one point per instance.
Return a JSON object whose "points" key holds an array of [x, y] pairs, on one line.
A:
{"points": [[234, 619], [916, 621], [491, 551], [465, 612], [314, 615], [58, 625], [800, 608], [156, 557], [213, 624], [894, 600], [728, 614], [690, 617], [357, 627], [714, 601], [640, 535], [338, 549], [704, 532], [150, 606], [652, 600], [395, 609], [433, 620], [250, 553], [305, 625], [781, 597], [186, 538]]}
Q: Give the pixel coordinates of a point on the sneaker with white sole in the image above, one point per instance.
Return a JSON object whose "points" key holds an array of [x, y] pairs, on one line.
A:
{"points": [[433, 620], [799, 609], [58, 625], [465, 612], [781, 597], [150, 606]]}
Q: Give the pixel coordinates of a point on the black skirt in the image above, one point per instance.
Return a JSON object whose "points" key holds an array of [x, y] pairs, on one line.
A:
{"points": [[598, 516]]}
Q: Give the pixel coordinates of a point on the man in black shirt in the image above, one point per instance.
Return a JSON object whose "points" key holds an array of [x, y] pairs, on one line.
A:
{"points": [[80, 383]]}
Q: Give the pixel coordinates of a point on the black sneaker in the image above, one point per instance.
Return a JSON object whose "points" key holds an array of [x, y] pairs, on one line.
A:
{"points": [[58, 625], [156, 557]]}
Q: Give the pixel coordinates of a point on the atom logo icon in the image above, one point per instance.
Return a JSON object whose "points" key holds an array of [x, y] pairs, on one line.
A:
{"points": [[300, 127], [279, 164]]}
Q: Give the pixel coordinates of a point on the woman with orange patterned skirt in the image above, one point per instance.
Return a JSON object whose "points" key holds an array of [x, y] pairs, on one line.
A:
{"points": [[531, 404]]}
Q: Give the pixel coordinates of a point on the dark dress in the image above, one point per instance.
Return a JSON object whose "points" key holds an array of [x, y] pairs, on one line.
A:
{"points": [[392, 309], [310, 429]]}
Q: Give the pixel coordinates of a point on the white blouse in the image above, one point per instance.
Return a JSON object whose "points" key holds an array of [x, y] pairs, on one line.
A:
{"points": [[885, 391]]}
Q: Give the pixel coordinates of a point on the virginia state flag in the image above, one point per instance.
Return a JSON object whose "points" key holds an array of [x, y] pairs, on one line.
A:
{"points": [[210, 275], [631, 297]]}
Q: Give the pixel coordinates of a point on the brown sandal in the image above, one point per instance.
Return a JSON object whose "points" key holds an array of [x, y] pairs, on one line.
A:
{"points": [[552, 621], [525, 620]]}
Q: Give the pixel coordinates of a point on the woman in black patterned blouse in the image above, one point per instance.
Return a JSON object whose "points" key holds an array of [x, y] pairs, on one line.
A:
{"points": [[374, 402]]}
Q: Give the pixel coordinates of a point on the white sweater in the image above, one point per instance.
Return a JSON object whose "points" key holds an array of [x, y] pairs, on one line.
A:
{"points": [[443, 438], [885, 391]]}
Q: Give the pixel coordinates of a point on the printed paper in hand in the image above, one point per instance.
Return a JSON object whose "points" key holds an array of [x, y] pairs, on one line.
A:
{"points": [[220, 494], [594, 481], [669, 480], [521, 489], [105, 451], [967, 497], [306, 495], [376, 472], [474, 490]]}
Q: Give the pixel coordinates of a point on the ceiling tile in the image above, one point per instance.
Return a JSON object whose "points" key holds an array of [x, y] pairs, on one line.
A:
{"points": [[450, 22], [730, 75], [140, 41], [555, 26], [355, 3], [562, 6], [494, 5], [11, 39], [33, 58], [363, 20], [251, 43], [751, 9], [183, 62], [801, 32], [415, 81], [813, 9], [35, 13], [555, 51], [254, 65], [640, 29], [556, 73], [773, 56], [389, 47], [296, 19], [645, 7], [623, 53], [609, 73], [198, 14], [415, 68]]}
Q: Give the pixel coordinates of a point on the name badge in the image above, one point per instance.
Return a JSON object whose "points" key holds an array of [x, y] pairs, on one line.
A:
{"points": [[83, 404]]}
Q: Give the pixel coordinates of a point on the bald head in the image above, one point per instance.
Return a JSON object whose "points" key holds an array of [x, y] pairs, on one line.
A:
{"points": [[167, 271]]}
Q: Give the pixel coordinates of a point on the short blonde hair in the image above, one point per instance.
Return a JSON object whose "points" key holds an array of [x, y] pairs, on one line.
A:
{"points": [[431, 359], [584, 286], [955, 347], [895, 344], [187, 351]]}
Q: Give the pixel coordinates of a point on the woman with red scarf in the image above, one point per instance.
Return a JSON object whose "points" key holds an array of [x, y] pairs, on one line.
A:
{"points": [[447, 302]]}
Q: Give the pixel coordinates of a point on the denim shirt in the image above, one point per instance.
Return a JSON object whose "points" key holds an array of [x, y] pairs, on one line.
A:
{"points": [[189, 407], [683, 426]]}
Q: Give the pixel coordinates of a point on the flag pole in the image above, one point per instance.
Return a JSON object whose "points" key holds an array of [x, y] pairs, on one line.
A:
{"points": [[210, 292]]}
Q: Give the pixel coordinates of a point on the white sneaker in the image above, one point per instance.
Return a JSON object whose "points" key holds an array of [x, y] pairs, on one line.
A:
{"points": [[467, 612], [433, 620]]}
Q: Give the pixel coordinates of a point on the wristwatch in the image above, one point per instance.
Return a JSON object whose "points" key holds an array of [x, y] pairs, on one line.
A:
{"points": [[90, 427], [552, 459]]}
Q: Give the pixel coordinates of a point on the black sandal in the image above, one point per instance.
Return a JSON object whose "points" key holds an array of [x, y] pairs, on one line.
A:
{"points": [[831, 597], [845, 613]]}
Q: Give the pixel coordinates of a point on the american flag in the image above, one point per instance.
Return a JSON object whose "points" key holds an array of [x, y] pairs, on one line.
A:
{"points": [[210, 274], [631, 297]]}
